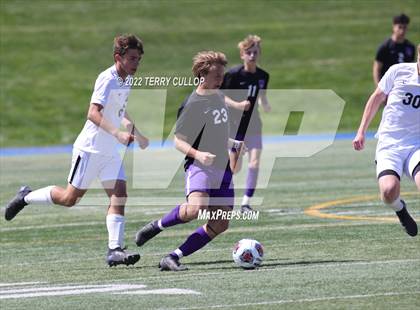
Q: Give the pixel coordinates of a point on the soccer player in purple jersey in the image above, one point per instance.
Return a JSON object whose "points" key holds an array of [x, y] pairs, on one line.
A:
{"points": [[241, 82], [202, 134]]}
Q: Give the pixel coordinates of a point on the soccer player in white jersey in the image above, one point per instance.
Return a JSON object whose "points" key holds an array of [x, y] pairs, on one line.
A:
{"points": [[95, 151], [398, 149]]}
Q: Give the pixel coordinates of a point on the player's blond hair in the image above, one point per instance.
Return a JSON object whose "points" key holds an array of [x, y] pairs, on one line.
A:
{"points": [[127, 41], [249, 42], [203, 61]]}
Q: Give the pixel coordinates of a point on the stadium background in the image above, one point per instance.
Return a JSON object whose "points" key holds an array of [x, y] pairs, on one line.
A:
{"points": [[51, 52]]}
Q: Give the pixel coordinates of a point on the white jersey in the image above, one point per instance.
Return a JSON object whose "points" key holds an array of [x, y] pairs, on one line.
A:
{"points": [[113, 96], [400, 124]]}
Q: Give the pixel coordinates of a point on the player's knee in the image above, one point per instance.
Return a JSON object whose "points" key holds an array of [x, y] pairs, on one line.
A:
{"points": [[389, 194], [254, 164], [191, 212], [220, 226], [195, 210]]}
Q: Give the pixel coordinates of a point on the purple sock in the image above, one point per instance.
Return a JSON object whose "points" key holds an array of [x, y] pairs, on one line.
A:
{"points": [[251, 181], [171, 218], [194, 242]]}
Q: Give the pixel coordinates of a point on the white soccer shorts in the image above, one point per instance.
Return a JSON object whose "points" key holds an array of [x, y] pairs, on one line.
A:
{"points": [[86, 167], [401, 159]]}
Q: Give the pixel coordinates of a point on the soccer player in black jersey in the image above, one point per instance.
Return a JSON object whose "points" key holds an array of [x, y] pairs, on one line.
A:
{"points": [[396, 49], [248, 81]]}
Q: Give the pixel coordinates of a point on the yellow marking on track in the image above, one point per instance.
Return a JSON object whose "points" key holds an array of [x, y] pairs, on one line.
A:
{"points": [[316, 209]]}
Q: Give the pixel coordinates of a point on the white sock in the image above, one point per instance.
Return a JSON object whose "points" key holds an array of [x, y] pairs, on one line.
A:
{"points": [[115, 224], [40, 196], [397, 205], [245, 200], [179, 253], [159, 223]]}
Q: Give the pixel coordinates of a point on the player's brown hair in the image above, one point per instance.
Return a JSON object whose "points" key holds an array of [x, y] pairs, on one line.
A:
{"points": [[203, 61], [249, 42], [127, 41], [401, 19]]}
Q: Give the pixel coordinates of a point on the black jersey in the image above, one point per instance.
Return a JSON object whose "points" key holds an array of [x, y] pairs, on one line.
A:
{"points": [[240, 85], [390, 53], [204, 121]]}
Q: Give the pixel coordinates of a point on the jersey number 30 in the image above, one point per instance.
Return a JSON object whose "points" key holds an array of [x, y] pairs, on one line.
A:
{"points": [[220, 116], [411, 99]]}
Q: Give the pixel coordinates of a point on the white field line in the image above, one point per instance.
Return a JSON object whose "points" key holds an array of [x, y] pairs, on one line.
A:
{"points": [[373, 214], [69, 290], [36, 227], [136, 204], [234, 229], [364, 212], [77, 258], [152, 201], [162, 291], [19, 283], [282, 212], [52, 288], [303, 300], [101, 202], [88, 289], [184, 232]]}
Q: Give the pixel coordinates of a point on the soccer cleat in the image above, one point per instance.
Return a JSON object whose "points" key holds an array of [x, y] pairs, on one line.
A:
{"points": [[119, 256], [17, 203], [146, 233], [246, 208], [170, 263], [407, 221]]}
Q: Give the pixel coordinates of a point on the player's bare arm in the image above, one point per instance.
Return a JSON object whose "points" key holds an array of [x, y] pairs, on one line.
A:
{"points": [[371, 108], [184, 147], [263, 102], [128, 123], [238, 149], [95, 116], [376, 71], [239, 105]]}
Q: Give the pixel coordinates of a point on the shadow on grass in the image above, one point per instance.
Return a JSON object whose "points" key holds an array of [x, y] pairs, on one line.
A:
{"points": [[268, 263], [222, 264]]}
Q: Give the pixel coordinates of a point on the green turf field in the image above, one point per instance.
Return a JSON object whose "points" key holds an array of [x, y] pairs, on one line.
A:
{"points": [[51, 53], [351, 254], [310, 262]]}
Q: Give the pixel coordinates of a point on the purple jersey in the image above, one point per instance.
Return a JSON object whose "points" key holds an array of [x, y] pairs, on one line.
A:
{"points": [[204, 121], [245, 85]]}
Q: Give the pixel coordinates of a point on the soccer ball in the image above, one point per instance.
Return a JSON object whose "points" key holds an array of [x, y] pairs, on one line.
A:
{"points": [[248, 253]]}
